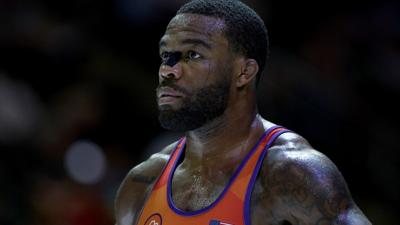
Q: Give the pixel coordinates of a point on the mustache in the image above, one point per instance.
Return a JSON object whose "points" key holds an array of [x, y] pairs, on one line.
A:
{"points": [[173, 85]]}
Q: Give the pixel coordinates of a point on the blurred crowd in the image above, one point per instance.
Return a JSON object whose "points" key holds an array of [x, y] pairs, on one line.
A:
{"points": [[77, 100]]}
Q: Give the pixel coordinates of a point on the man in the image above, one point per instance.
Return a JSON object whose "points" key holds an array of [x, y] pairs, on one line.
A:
{"points": [[213, 53]]}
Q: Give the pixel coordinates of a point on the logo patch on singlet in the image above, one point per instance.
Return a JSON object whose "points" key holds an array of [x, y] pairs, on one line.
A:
{"points": [[154, 219], [216, 222]]}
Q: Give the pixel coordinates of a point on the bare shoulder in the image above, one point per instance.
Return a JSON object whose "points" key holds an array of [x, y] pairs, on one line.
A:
{"points": [[291, 149], [149, 170], [291, 159], [307, 184], [137, 183]]}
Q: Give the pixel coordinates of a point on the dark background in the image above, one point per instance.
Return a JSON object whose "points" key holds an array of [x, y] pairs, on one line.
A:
{"points": [[77, 78]]}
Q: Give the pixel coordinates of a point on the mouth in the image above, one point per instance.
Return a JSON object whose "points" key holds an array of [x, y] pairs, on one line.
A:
{"points": [[168, 92], [168, 96]]}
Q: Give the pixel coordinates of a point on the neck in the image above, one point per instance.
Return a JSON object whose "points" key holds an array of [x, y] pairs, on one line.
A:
{"points": [[224, 141]]}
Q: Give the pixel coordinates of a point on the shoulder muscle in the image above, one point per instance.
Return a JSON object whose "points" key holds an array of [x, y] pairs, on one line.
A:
{"points": [[134, 188], [307, 184]]}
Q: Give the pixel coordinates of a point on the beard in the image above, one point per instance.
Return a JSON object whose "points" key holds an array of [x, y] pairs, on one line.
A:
{"points": [[197, 109]]}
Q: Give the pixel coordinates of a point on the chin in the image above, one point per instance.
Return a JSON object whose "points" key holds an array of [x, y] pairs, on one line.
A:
{"points": [[168, 108], [178, 121]]}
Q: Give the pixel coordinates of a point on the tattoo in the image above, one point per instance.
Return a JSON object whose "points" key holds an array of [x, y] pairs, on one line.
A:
{"points": [[143, 179], [312, 193]]}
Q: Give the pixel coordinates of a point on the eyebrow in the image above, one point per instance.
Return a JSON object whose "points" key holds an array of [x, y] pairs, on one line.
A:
{"points": [[193, 41]]}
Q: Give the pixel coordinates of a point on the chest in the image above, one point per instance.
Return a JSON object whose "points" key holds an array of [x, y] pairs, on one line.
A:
{"points": [[193, 193]]}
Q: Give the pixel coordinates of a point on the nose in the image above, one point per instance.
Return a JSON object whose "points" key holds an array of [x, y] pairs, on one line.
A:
{"points": [[170, 72]]}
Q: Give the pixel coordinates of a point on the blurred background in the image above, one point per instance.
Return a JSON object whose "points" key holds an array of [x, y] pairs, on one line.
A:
{"points": [[77, 100]]}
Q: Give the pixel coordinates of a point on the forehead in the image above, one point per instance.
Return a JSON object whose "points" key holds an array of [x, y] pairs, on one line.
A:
{"points": [[195, 26]]}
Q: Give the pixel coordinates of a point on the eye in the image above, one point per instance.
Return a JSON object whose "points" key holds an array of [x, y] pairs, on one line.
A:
{"points": [[193, 55], [164, 56]]}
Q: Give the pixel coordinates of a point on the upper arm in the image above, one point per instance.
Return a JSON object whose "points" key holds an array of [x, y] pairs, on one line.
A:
{"points": [[309, 186], [135, 186]]}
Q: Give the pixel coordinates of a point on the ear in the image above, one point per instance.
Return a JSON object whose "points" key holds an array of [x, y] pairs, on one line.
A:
{"points": [[248, 72]]}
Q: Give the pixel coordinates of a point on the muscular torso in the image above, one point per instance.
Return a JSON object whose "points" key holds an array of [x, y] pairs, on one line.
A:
{"points": [[193, 191], [192, 194], [296, 185]]}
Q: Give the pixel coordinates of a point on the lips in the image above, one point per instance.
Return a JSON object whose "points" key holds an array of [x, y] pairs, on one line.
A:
{"points": [[168, 95], [168, 92]]}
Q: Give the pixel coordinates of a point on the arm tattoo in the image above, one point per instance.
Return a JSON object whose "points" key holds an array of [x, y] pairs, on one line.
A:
{"points": [[312, 194], [143, 179]]}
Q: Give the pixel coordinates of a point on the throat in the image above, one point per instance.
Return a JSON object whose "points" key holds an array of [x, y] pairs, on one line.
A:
{"points": [[221, 143]]}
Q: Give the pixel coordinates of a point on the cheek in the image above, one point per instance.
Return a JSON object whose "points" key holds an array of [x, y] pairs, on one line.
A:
{"points": [[205, 66], [198, 74], [209, 70]]}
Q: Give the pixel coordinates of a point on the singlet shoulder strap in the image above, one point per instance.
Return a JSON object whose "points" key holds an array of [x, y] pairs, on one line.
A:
{"points": [[250, 163], [163, 179], [259, 157]]}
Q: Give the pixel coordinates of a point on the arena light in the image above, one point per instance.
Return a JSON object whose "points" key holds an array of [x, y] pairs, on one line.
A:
{"points": [[85, 162]]}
